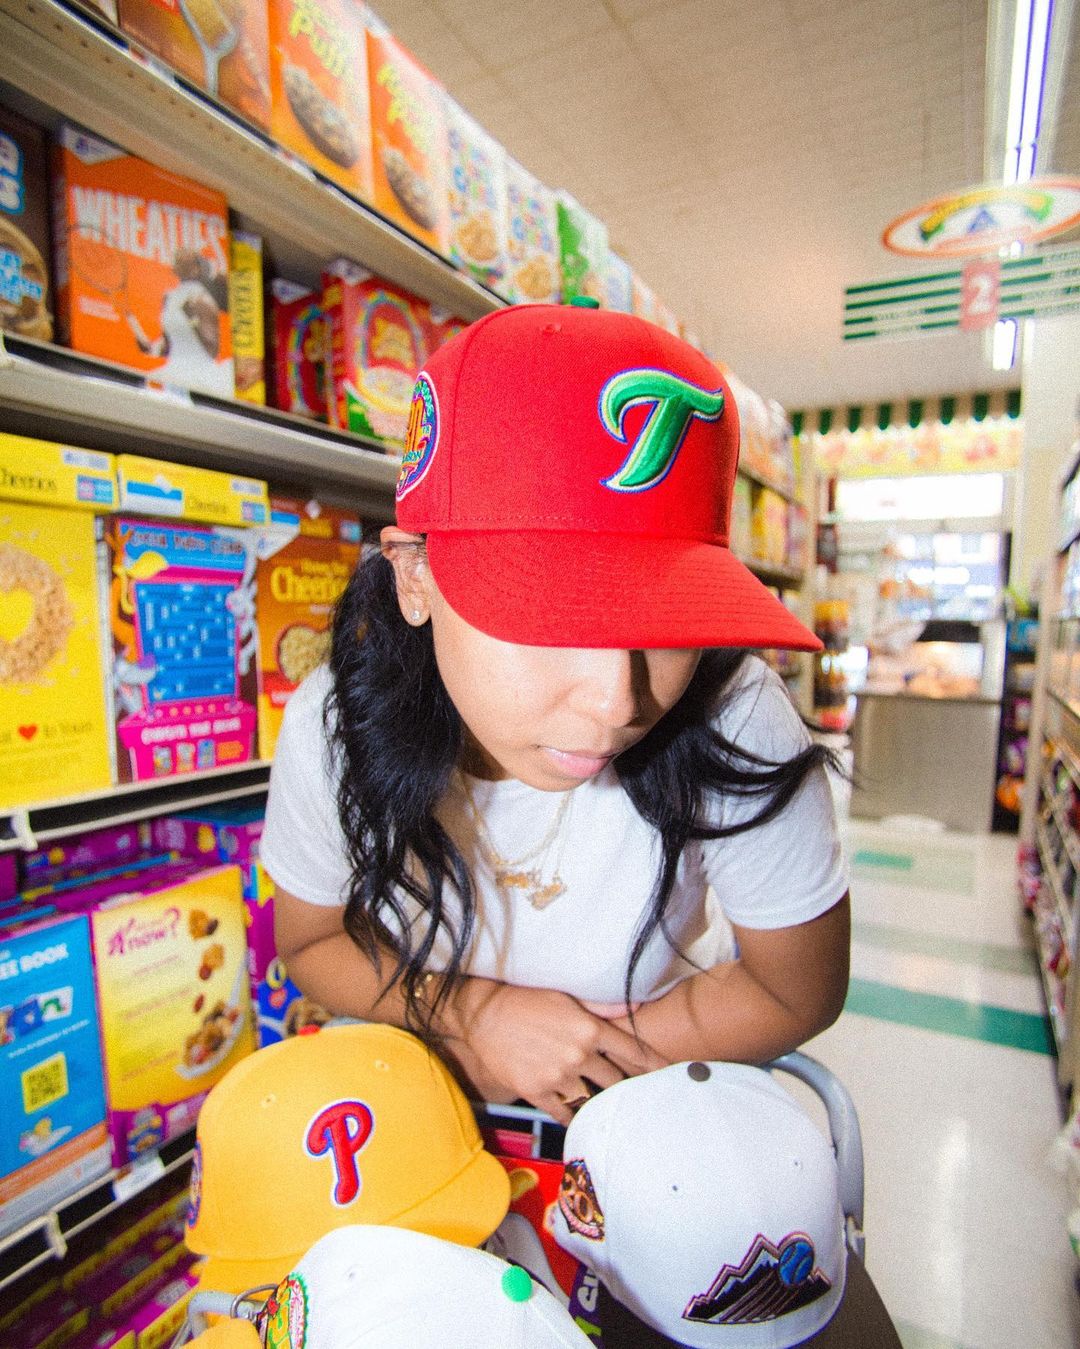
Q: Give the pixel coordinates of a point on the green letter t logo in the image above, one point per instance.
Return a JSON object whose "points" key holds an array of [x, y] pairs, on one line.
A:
{"points": [[676, 402]]}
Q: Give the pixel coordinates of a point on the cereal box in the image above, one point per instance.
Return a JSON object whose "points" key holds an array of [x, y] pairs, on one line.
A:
{"points": [[142, 265], [742, 508], [179, 491], [619, 285], [642, 299], [408, 138], [56, 475], [281, 1009], [54, 738], [477, 197], [378, 342], [769, 527], [318, 87], [583, 250], [220, 45], [299, 350], [305, 562], [441, 327], [155, 1321], [52, 1121], [182, 611], [82, 853], [25, 302], [246, 318], [532, 240], [173, 1000], [9, 877]]}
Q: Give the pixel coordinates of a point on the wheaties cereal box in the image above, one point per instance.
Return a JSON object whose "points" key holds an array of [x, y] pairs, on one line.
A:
{"points": [[477, 197], [305, 561], [142, 265], [25, 302], [532, 240], [173, 998], [52, 1101], [378, 342], [220, 45], [408, 136], [299, 350], [319, 91], [583, 250], [54, 739], [246, 317], [182, 612]]}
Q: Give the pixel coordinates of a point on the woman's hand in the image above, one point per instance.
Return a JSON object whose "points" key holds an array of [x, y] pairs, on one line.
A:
{"points": [[539, 1045]]}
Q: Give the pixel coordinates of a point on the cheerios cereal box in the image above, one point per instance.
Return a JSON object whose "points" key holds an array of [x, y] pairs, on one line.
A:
{"points": [[142, 265], [532, 240], [318, 87], [408, 140], [53, 1137], [54, 736], [378, 341], [583, 250], [477, 167], [246, 316], [182, 618], [305, 561], [173, 998], [46, 472], [298, 358], [220, 45]]}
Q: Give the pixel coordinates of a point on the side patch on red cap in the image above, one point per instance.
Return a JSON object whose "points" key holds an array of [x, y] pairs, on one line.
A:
{"points": [[422, 437]]}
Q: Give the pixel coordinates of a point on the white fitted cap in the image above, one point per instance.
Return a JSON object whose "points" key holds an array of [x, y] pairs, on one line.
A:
{"points": [[708, 1204], [379, 1287]]}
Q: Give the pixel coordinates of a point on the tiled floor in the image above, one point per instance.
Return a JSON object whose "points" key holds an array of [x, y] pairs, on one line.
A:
{"points": [[945, 1048]]}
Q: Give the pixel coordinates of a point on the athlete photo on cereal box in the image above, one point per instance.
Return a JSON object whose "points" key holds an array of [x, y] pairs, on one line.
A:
{"points": [[142, 265]]}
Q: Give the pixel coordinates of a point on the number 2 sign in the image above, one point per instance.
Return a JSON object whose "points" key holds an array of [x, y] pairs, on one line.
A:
{"points": [[980, 292]]}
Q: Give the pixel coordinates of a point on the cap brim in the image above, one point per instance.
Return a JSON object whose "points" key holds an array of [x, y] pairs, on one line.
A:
{"points": [[466, 1210], [581, 589]]}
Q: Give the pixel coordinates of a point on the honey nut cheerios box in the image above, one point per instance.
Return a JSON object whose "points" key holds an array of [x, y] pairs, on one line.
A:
{"points": [[54, 729], [408, 140], [532, 240], [318, 88], [220, 45], [378, 338], [142, 265], [173, 999], [305, 561]]}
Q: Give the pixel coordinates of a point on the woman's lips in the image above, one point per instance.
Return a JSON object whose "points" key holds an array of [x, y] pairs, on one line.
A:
{"points": [[577, 763]]}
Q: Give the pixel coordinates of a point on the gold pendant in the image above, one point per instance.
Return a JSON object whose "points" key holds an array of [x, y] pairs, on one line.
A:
{"points": [[537, 893], [542, 896]]}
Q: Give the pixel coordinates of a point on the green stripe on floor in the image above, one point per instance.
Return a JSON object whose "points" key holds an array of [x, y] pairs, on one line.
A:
{"points": [[987, 955], [927, 865], [950, 1016]]}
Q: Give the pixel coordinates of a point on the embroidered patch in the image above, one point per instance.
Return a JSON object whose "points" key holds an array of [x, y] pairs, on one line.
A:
{"points": [[578, 1203], [422, 437], [675, 402], [283, 1321], [770, 1281], [340, 1131], [195, 1187]]}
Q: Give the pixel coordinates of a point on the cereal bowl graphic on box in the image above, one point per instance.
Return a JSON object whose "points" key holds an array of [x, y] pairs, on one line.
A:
{"points": [[182, 613]]}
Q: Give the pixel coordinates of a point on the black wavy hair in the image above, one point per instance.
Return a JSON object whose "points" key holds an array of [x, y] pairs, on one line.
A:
{"points": [[396, 736]]}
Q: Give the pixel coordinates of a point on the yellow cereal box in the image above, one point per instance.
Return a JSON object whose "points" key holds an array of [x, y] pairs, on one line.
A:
{"points": [[56, 475], [54, 730], [182, 492], [173, 996], [246, 316], [306, 559]]}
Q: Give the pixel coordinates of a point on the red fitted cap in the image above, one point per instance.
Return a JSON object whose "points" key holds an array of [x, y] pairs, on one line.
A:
{"points": [[573, 470]]}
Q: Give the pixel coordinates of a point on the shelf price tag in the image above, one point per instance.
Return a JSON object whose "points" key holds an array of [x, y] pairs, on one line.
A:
{"points": [[140, 1177]]}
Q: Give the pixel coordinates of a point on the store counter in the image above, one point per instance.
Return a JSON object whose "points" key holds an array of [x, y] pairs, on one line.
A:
{"points": [[917, 755]]}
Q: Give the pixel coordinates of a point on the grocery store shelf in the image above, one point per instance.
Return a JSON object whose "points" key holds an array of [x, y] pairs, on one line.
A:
{"points": [[1065, 829], [1065, 701], [760, 480], [47, 1237], [53, 393], [132, 801], [1057, 1021], [88, 72], [1053, 879], [773, 575]]}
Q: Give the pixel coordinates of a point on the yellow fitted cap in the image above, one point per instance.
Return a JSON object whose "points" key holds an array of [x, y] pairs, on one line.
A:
{"points": [[354, 1124], [228, 1334]]}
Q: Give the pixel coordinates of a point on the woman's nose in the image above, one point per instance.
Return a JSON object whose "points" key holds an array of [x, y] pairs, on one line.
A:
{"points": [[609, 686]]}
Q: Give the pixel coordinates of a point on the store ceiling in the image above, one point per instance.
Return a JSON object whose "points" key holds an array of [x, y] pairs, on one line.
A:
{"points": [[746, 155]]}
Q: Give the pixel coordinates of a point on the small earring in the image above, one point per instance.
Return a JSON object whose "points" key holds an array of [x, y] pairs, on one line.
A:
{"points": [[417, 615]]}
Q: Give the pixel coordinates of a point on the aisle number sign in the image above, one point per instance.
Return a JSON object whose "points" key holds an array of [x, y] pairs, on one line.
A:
{"points": [[968, 297], [979, 220]]}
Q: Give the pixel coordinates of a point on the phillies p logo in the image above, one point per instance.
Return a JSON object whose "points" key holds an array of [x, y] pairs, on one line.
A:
{"points": [[341, 1130], [675, 404]]}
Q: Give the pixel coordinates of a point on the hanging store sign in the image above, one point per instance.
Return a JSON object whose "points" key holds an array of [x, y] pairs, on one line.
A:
{"points": [[990, 446], [984, 219], [1039, 285]]}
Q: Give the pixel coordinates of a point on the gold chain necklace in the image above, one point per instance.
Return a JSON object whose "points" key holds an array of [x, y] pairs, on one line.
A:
{"points": [[511, 874]]}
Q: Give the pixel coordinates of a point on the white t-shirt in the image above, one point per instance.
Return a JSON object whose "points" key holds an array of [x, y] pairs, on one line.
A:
{"points": [[775, 875]]}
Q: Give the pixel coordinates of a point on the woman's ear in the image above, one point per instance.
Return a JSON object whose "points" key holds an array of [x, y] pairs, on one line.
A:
{"points": [[408, 557]]}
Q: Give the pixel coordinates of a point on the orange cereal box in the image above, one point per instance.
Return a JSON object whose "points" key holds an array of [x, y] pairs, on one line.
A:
{"points": [[142, 265], [220, 45], [408, 134], [305, 560], [318, 87]]}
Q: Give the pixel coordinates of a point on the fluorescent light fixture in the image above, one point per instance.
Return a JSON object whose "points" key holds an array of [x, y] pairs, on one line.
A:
{"points": [[1027, 85], [1004, 349]]}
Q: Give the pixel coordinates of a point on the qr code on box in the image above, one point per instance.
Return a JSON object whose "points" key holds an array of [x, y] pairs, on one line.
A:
{"points": [[45, 1083]]}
